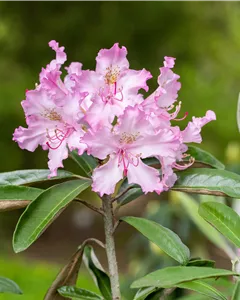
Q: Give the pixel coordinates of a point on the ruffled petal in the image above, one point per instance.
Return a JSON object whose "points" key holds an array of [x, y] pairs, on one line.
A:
{"points": [[107, 176], [147, 177], [61, 56], [113, 57], [74, 142], [56, 156], [191, 134], [134, 80], [169, 62], [134, 121], [164, 143], [169, 86], [102, 114], [101, 142], [74, 71], [30, 138]]}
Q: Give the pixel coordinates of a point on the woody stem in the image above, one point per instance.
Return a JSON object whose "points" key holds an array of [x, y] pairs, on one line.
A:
{"points": [[110, 247]]}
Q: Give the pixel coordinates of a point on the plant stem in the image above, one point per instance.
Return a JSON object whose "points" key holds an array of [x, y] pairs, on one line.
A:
{"points": [[110, 247]]}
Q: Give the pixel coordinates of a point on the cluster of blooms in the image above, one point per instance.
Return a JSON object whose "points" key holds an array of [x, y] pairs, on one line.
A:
{"points": [[103, 112]]}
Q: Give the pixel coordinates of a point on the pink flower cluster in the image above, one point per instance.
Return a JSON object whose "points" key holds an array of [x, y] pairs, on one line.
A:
{"points": [[104, 113]]}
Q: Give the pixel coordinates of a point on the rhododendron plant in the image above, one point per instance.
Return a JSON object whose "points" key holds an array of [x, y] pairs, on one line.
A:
{"points": [[126, 144]]}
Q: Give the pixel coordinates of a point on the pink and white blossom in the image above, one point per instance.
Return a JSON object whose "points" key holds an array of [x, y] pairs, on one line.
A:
{"points": [[112, 86], [124, 146], [77, 112]]}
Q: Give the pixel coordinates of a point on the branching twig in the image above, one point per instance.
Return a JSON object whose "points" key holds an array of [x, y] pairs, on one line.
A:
{"points": [[116, 226], [92, 207], [121, 194]]}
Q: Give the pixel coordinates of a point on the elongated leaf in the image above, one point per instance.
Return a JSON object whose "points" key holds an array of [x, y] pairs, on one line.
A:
{"points": [[201, 157], [223, 218], [129, 196], [236, 291], [204, 158], [22, 177], [43, 210], [100, 277], [14, 192], [201, 263], [191, 208], [69, 273], [77, 293], [143, 293], [202, 288], [67, 276], [163, 237], [86, 162], [208, 181], [15, 197], [9, 286], [172, 276]]}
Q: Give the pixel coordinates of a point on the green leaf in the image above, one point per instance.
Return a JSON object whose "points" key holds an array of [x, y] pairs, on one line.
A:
{"points": [[155, 295], [223, 218], [191, 208], [208, 181], [143, 293], [86, 162], [100, 277], [130, 195], [202, 288], [236, 291], [43, 210], [77, 293], [203, 157], [15, 197], [172, 276], [201, 263], [9, 286], [22, 177], [163, 237]]}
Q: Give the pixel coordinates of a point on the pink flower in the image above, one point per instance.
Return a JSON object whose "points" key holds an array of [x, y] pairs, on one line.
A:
{"points": [[124, 146], [78, 113], [54, 115], [112, 86]]}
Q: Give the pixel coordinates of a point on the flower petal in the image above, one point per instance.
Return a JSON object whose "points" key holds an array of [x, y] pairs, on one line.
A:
{"points": [[134, 121], [30, 138], [107, 176], [164, 143], [115, 57], [56, 156], [101, 142], [192, 132], [74, 142], [147, 177]]}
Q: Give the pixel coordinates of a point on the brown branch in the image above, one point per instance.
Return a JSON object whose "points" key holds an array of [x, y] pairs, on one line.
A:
{"points": [[92, 207]]}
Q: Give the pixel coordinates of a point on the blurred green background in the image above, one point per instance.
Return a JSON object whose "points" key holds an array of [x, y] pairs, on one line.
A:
{"points": [[203, 36]]}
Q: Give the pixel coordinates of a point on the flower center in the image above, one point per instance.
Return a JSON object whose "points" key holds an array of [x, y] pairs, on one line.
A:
{"points": [[128, 138], [52, 115], [112, 74]]}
